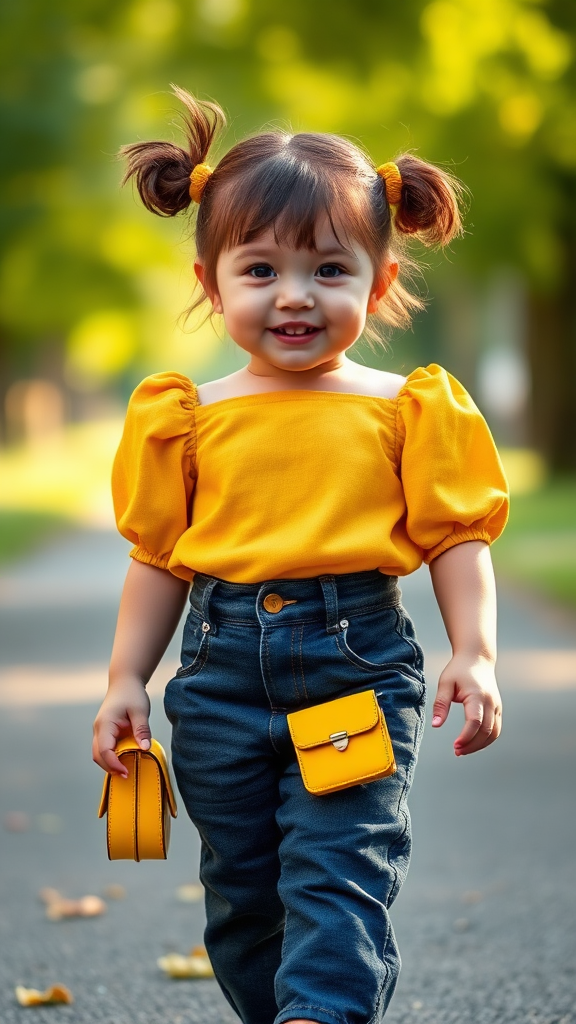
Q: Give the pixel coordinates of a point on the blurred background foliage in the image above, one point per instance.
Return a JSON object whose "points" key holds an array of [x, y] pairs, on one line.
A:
{"points": [[91, 285]]}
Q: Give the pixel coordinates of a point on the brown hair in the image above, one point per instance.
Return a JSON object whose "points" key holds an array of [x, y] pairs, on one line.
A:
{"points": [[286, 182]]}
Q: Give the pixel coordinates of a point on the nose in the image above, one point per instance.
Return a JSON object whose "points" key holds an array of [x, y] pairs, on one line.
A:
{"points": [[294, 294]]}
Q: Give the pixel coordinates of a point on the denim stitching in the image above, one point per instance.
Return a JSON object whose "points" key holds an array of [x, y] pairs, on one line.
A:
{"points": [[272, 697], [369, 666], [372, 666], [416, 650], [265, 652], [312, 1006], [376, 1015], [296, 692], [270, 736], [302, 664], [396, 884], [304, 619], [192, 670]]}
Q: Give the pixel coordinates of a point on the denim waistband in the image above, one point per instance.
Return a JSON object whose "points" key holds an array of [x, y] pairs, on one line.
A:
{"points": [[290, 601]]}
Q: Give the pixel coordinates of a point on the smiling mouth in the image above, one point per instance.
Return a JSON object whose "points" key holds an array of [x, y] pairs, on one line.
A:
{"points": [[297, 333]]}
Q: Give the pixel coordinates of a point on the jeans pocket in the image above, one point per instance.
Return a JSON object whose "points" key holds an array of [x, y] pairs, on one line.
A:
{"points": [[383, 644], [195, 646], [373, 640]]}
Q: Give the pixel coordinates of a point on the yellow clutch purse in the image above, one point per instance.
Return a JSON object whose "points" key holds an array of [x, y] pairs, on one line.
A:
{"points": [[342, 743], [139, 807]]}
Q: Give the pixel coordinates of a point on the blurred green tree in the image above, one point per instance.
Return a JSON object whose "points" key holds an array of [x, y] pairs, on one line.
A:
{"points": [[486, 86]]}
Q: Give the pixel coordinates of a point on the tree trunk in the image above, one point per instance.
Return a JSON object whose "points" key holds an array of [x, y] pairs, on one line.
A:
{"points": [[552, 354]]}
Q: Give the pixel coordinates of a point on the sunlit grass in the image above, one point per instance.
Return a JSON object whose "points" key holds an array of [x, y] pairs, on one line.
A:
{"points": [[538, 546], [64, 474], [22, 532]]}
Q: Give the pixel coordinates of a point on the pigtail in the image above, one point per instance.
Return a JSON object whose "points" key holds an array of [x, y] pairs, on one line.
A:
{"points": [[430, 202], [161, 169]]}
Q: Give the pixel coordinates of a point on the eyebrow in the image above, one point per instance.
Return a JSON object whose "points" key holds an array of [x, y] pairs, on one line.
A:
{"points": [[254, 251]]}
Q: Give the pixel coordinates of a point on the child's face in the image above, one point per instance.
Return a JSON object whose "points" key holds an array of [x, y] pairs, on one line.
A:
{"points": [[295, 309]]}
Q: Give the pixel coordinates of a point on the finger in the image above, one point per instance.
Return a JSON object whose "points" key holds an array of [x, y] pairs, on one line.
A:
{"points": [[474, 717], [444, 698], [140, 729], [103, 753], [484, 737]]}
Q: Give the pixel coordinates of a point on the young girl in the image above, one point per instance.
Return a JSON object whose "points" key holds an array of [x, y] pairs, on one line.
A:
{"points": [[291, 495]]}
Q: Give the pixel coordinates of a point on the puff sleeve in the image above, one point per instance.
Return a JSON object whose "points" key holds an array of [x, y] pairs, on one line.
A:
{"points": [[154, 470], [452, 476]]}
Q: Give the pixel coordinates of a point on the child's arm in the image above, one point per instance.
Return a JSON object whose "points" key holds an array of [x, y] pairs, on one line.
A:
{"points": [[463, 581], [150, 609]]}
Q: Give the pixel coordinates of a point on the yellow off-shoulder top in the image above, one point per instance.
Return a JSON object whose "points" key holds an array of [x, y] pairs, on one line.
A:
{"points": [[291, 484]]}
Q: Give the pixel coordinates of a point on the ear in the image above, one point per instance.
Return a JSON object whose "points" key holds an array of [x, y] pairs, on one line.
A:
{"points": [[381, 286], [214, 297]]}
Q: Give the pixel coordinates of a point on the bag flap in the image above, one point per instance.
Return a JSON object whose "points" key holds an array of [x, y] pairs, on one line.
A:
{"points": [[129, 745], [354, 714]]}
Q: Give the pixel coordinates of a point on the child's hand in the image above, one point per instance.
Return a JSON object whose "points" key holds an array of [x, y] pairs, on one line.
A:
{"points": [[124, 712], [470, 681]]}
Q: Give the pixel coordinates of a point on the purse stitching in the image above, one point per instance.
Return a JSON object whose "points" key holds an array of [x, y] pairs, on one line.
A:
{"points": [[361, 778], [135, 810], [365, 728], [160, 806]]}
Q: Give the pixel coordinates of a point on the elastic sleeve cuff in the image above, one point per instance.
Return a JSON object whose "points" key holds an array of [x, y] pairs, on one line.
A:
{"points": [[456, 538], [141, 555]]}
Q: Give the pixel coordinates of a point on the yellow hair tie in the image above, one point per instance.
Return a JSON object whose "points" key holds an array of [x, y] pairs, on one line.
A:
{"points": [[393, 181], [198, 180]]}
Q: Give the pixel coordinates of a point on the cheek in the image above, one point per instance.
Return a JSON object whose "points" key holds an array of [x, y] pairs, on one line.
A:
{"points": [[349, 308], [242, 312]]}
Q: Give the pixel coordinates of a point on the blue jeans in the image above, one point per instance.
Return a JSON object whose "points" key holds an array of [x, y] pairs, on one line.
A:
{"points": [[297, 886]]}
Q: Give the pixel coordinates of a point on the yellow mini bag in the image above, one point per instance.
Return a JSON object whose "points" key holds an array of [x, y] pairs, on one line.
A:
{"points": [[140, 807], [342, 743]]}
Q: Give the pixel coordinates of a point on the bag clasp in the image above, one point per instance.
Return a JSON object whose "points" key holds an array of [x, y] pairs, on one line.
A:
{"points": [[339, 739]]}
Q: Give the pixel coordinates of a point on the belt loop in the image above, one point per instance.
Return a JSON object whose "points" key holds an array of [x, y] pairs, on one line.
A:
{"points": [[207, 626], [328, 584]]}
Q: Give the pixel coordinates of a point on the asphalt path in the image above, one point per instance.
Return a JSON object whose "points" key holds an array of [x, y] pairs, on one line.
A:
{"points": [[485, 922]]}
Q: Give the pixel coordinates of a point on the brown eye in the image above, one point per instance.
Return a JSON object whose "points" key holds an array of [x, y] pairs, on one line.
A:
{"points": [[261, 270], [329, 270]]}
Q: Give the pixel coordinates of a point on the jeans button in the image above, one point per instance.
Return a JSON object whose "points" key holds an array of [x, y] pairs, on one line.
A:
{"points": [[273, 603]]}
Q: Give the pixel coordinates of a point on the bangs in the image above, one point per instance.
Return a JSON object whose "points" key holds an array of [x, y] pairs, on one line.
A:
{"points": [[290, 198], [290, 193]]}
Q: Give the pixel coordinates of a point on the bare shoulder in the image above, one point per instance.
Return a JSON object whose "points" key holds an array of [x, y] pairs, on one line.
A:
{"points": [[378, 383], [235, 385]]}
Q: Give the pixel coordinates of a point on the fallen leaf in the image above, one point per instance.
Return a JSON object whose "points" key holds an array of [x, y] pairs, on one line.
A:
{"points": [[58, 907], [196, 965], [113, 891], [190, 893], [33, 997], [91, 906], [16, 821]]}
